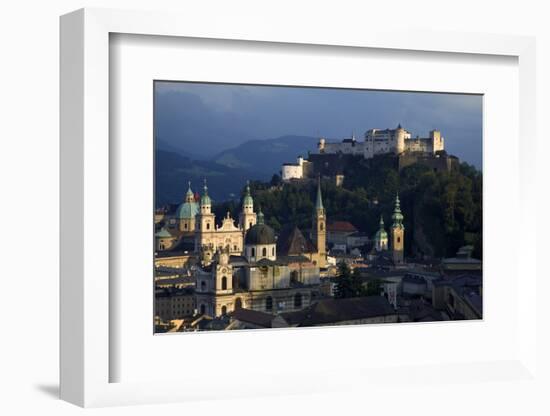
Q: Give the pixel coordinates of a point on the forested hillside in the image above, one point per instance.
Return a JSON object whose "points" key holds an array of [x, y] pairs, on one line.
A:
{"points": [[442, 210]]}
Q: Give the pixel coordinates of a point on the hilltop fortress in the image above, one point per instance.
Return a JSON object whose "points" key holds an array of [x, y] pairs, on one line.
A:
{"points": [[379, 142], [398, 141]]}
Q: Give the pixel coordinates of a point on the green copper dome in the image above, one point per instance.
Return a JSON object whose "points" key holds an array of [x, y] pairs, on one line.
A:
{"points": [[187, 210], [189, 193], [163, 233], [381, 234]]}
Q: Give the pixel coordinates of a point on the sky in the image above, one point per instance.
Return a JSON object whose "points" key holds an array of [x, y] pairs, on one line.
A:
{"points": [[204, 119]]}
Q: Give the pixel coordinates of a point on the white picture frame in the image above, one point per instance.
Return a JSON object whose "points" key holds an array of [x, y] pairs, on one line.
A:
{"points": [[86, 331]]}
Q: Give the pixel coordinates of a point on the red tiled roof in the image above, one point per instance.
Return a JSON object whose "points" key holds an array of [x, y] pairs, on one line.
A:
{"points": [[341, 226]]}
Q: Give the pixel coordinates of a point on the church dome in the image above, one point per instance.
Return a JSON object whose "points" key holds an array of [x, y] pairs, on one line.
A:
{"points": [[260, 234], [381, 235], [205, 200], [187, 210], [163, 233]]}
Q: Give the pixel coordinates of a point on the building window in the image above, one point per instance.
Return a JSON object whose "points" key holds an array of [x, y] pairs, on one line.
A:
{"points": [[321, 226], [253, 252], [398, 239], [268, 303], [203, 285], [224, 310], [203, 309], [224, 283], [238, 303], [273, 251], [207, 225], [234, 248], [298, 300], [264, 252], [250, 224]]}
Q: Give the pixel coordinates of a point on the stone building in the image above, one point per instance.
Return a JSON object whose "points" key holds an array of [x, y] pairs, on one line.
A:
{"points": [[377, 141], [460, 297], [339, 231], [209, 238], [330, 158], [259, 277], [297, 170], [174, 303], [258, 280], [350, 311]]}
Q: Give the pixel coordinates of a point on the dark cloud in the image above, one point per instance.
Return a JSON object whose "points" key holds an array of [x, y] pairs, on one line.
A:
{"points": [[205, 119]]}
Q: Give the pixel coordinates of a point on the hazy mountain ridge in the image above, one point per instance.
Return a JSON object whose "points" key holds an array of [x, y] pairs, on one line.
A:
{"points": [[266, 156], [173, 172]]}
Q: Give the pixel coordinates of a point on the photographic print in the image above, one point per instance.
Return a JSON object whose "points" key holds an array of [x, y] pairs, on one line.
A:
{"points": [[292, 207]]}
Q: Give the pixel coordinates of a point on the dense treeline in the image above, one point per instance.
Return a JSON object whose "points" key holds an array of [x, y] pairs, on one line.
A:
{"points": [[442, 210]]}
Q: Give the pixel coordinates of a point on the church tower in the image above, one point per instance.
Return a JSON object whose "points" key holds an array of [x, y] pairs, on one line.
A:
{"points": [[381, 237], [318, 229], [205, 223], [397, 233], [223, 272], [247, 219]]}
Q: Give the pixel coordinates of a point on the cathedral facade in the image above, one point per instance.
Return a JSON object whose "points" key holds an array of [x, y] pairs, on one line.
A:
{"points": [[210, 238], [243, 269]]}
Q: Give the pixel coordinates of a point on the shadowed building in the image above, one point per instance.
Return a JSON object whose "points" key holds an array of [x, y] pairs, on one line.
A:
{"points": [[363, 310]]}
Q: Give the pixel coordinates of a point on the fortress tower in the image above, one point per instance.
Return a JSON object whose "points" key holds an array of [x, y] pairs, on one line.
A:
{"points": [[397, 233], [438, 143], [321, 145], [399, 140]]}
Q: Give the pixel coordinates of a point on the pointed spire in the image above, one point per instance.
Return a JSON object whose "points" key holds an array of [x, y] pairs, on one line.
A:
{"points": [[260, 216], [205, 199], [381, 222], [189, 196], [397, 202], [397, 216], [319, 201], [247, 200]]}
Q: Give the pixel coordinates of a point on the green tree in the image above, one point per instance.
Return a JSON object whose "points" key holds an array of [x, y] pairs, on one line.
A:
{"points": [[374, 287], [348, 283], [275, 180]]}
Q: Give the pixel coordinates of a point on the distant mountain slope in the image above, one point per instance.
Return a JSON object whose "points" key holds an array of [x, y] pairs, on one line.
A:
{"points": [[266, 156], [173, 171], [164, 145]]}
